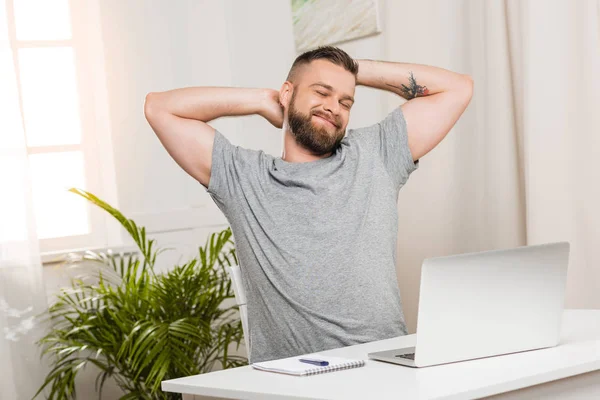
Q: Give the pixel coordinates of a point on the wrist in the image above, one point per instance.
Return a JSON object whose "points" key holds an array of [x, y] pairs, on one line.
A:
{"points": [[364, 67], [263, 101], [266, 98]]}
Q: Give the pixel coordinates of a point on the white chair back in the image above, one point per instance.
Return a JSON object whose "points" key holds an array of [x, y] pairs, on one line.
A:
{"points": [[235, 274]]}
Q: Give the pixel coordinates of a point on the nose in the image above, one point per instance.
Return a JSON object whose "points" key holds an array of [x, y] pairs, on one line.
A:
{"points": [[332, 105]]}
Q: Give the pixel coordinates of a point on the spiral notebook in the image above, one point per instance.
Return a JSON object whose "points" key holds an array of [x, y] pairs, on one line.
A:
{"points": [[293, 366]]}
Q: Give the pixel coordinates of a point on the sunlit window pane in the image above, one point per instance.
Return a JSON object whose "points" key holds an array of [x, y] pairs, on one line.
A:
{"points": [[3, 25], [58, 212], [11, 127], [42, 19], [50, 101]]}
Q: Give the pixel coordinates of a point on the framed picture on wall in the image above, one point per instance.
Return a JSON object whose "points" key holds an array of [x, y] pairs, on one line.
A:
{"points": [[325, 22]]}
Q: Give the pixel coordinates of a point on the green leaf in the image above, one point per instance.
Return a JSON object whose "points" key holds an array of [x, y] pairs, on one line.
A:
{"points": [[137, 326]]}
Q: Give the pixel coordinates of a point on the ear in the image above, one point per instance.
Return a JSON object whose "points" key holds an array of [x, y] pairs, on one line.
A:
{"points": [[285, 94]]}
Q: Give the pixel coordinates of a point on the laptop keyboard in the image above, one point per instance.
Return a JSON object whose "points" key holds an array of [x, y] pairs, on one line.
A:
{"points": [[410, 356]]}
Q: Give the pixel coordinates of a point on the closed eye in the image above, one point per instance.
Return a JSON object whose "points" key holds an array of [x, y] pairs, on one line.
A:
{"points": [[346, 105]]}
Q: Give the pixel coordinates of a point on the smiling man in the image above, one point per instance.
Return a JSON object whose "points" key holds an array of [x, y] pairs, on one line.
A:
{"points": [[320, 130], [315, 229]]}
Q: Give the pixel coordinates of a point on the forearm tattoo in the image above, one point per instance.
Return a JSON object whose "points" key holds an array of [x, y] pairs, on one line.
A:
{"points": [[413, 90]]}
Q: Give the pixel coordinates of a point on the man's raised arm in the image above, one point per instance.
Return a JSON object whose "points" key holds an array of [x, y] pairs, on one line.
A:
{"points": [[179, 118], [436, 98]]}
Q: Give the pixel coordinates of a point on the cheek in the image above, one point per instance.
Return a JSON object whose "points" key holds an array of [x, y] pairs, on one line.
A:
{"points": [[303, 107], [312, 105], [345, 119]]}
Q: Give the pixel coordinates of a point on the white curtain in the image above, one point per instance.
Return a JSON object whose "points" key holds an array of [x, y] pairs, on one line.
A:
{"points": [[22, 294], [522, 166], [559, 133]]}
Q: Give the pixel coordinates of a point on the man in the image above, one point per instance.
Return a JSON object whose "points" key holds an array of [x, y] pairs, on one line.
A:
{"points": [[316, 229]]}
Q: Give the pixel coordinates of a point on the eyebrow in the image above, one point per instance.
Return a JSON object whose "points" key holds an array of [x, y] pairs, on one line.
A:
{"points": [[329, 87]]}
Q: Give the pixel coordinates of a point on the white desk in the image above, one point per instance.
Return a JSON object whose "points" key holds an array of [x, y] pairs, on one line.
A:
{"points": [[578, 353]]}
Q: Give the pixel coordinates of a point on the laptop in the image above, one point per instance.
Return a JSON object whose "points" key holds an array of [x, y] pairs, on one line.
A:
{"points": [[485, 304]]}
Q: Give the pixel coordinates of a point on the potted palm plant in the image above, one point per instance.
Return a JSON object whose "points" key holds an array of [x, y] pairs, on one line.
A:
{"points": [[140, 327]]}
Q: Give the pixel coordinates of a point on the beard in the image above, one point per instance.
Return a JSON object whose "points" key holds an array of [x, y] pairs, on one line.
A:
{"points": [[317, 140]]}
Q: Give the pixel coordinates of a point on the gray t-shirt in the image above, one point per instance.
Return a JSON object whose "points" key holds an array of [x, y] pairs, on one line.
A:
{"points": [[316, 241]]}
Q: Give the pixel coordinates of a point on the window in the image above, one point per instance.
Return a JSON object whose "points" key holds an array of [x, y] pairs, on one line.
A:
{"points": [[45, 45]]}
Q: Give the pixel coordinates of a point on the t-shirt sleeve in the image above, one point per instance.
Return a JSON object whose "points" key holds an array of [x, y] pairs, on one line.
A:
{"points": [[222, 157], [231, 166], [389, 141]]}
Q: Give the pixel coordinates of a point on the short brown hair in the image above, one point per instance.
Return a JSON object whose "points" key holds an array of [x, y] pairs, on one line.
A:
{"points": [[332, 54]]}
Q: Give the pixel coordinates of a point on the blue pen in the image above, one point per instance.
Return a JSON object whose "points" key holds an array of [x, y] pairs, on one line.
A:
{"points": [[314, 361]]}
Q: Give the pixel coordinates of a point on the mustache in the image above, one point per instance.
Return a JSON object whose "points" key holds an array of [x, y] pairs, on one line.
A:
{"points": [[328, 118]]}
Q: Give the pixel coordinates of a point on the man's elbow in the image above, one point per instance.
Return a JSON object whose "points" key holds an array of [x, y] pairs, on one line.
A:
{"points": [[151, 104], [468, 85], [466, 89]]}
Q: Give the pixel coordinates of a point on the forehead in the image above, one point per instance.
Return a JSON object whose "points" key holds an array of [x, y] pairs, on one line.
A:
{"points": [[325, 72]]}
